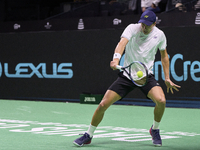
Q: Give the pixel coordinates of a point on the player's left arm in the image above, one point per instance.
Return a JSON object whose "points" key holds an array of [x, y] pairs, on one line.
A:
{"points": [[165, 64]]}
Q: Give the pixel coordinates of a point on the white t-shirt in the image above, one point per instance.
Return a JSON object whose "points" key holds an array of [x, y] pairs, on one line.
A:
{"points": [[143, 47]]}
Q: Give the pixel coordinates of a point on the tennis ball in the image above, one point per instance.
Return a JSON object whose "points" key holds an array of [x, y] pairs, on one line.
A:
{"points": [[139, 74]]}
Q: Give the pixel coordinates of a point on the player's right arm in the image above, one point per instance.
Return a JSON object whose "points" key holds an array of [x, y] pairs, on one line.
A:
{"points": [[119, 49]]}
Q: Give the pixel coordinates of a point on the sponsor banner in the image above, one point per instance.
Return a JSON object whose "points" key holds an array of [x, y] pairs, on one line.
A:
{"points": [[63, 65], [90, 98], [22, 70]]}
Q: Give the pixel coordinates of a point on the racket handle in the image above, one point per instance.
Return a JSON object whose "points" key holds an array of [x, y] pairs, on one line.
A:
{"points": [[118, 67]]}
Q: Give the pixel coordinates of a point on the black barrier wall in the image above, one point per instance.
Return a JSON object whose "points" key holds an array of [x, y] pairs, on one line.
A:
{"points": [[62, 65]]}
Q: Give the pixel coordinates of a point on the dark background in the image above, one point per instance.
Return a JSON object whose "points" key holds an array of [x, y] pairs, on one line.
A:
{"points": [[90, 50]]}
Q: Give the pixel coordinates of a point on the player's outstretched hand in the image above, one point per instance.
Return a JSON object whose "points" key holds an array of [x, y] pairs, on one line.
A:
{"points": [[170, 85]]}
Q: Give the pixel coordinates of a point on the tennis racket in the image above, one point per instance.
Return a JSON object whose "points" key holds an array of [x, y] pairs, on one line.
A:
{"points": [[132, 69]]}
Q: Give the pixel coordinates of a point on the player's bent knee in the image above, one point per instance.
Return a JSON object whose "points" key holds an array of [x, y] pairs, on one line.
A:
{"points": [[102, 107], [161, 101]]}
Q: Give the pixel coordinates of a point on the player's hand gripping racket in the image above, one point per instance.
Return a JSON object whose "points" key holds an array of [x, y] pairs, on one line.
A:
{"points": [[137, 72]]}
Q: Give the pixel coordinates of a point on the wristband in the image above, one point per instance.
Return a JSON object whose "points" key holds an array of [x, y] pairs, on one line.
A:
{"points": [[117, 55]]}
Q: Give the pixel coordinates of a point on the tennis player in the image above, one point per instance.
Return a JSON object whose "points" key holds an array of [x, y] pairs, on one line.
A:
{"points": [[141, 42]]}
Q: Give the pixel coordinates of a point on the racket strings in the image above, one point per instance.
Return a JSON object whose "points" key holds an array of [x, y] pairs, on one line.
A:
{"points": [[135, 67]]}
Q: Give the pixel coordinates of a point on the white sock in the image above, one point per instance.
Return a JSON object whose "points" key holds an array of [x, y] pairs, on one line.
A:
{"points": [[155, 125], [91, 130]]}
